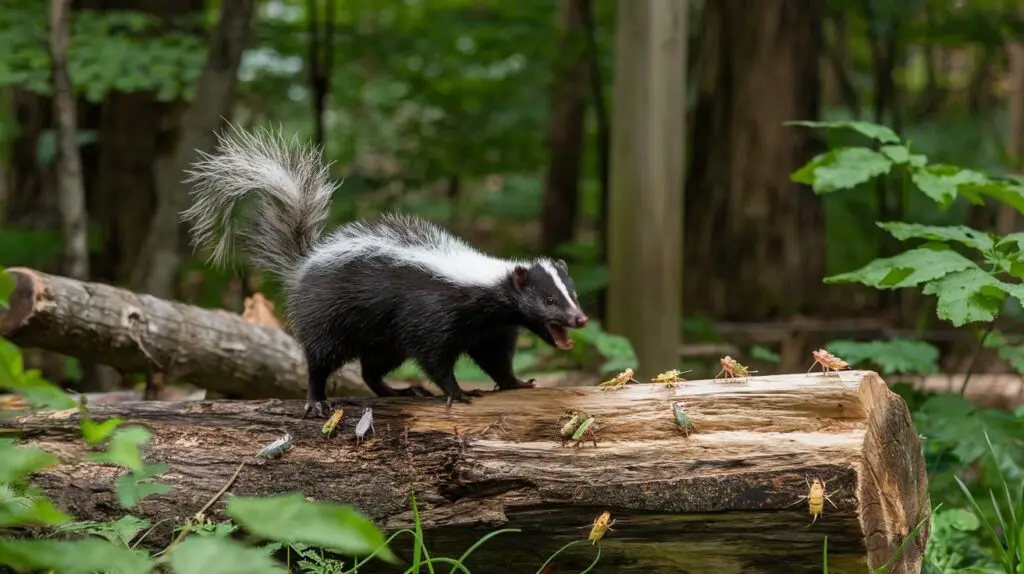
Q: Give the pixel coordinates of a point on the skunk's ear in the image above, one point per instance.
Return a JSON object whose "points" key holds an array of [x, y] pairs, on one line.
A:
{"points": [[563, 265], [520, 277]]}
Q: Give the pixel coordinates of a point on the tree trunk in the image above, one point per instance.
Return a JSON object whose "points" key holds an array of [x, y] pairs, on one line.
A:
{"points": [[726, 498], [565, 127], [156, 270], [71, 195], [645, 238], [31, 201], [210, 348], [321, 58], [1006, 220], [755, 241]]}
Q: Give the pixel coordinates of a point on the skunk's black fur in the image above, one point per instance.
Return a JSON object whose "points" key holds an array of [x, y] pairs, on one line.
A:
{"points": [[380, 291]]}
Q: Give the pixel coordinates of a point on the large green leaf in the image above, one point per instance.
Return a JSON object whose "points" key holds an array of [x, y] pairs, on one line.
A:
{"points": [[907, 269], [842, 168], [220, 555], [874, 131], [893, 356], [960, 233], [290, 517], [87, 556], [969, 295], [20, 461]]}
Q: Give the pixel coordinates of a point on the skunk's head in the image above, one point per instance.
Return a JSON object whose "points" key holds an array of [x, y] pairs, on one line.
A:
{"points": [[545, 295]]}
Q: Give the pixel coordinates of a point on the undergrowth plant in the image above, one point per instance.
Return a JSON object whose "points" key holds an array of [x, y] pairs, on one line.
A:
{"points": [[312, 536], [974, 275]]}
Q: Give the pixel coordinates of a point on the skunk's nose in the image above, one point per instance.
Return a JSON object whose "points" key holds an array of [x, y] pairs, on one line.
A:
{"points": [[580, 321]]}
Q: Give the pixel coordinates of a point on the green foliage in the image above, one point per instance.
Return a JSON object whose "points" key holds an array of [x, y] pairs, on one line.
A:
{"points": [[953, 544], [1007, 515], [895, 356], [966, 291], [330, 526], [109, 50]]}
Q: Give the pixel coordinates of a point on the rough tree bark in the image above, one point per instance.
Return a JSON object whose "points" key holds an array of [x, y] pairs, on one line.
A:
{"points": [[753, 237], [71, 190], [157, 268], [565, 127], [210, 348], [647, 148], [720, 500]]}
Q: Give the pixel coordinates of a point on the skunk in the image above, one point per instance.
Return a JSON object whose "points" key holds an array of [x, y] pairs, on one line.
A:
{"points": [[381, 290]]}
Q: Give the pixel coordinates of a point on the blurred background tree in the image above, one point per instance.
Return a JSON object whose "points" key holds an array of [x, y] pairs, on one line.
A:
{"points": [[496, 119]]}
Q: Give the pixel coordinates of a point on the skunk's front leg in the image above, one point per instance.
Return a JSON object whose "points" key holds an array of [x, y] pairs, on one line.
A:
{"points": [[494, 356]]}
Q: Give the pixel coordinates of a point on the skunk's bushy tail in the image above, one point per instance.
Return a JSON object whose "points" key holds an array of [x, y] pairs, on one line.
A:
{"points": [[292, 190]]}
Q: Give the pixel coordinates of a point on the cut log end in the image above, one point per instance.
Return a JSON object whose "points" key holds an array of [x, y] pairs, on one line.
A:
{"points": [[728, 498], [893, 487]]}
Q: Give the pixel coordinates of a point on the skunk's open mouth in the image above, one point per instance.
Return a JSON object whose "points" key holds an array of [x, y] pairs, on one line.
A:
{"points": [[560, 333]]}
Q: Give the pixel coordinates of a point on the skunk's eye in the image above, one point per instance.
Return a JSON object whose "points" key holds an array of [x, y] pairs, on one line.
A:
{"points": [[550, 300]]}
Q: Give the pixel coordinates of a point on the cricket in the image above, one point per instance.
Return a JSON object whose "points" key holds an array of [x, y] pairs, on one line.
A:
{"points": [[732, 369], [829, 363]]}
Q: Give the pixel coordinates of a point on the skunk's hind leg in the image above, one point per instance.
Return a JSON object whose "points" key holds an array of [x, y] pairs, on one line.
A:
{"points": [[316, 393], [375, 365]]}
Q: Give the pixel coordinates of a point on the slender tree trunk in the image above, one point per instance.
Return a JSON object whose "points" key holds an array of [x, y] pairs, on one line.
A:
{"points": [[839, 59], [71, 196], [565, 129], [602, 144], [648, 138], [1006, 220], [754, 239], [321, 58], [157, 269]]}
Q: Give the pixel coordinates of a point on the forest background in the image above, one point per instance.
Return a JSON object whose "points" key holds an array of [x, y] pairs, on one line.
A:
{"points": [[500, 120]]}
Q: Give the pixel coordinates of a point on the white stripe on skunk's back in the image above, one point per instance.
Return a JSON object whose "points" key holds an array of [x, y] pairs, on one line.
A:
{"points": [[414, 242]]}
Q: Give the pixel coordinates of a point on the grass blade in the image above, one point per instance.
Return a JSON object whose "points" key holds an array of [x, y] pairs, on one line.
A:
{"points": [[478, 543]]}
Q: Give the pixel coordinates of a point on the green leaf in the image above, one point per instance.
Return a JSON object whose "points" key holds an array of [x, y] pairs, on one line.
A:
{"points": [[290, 517], [215, 555], [960, 233], [6, 287], [873, 131], [957, 518], [20, 461], [968, 295], [765, 354], [130, 489], [942, 182], [123, 449], [95, 433], [86, 556], [122, 531], [846, 168], [900, 155], [28, 508], [906, 269], [897, 356]]}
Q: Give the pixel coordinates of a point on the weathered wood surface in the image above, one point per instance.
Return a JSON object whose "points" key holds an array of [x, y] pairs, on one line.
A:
{"points": [[133, 332], [719, 501]]}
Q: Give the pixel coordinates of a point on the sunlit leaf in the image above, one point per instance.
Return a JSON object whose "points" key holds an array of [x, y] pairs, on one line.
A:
{"points": [[217, 555], [960, 233], [876, 132], [86, 556], [906, 269], [291, 517], [897, 356]]}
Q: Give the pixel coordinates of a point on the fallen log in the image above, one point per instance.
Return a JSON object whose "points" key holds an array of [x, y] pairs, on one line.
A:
{"points": [[133, 332], [726, 498]]}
